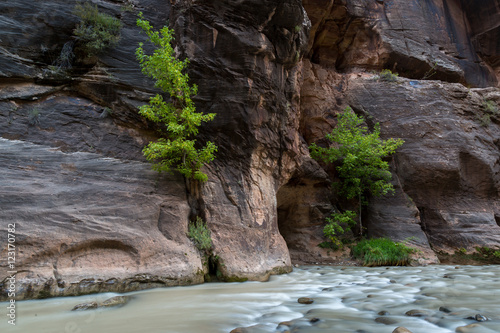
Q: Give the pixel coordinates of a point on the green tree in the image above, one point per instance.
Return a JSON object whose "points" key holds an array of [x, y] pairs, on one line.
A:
{"points": [[360, 158], [176, 150]]}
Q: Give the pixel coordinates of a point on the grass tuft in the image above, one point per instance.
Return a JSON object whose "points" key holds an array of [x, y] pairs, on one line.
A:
{"points": [[199, 233], [382, 252]]}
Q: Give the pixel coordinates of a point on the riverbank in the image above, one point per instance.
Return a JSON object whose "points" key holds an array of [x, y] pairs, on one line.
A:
{"points": [[432, 299]]}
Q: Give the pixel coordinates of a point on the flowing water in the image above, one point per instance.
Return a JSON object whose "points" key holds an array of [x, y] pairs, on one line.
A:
{"points": [[346, 299]]}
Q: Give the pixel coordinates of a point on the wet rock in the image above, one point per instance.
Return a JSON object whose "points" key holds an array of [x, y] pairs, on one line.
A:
{"points": [[417, 313], [115, 301], [305, 300], [314, 320], [478, 317], [286, 323], [250, 329], [473, 328], [85, 306], [444, 309], [401, 329], [383, 313], [387, 320]]}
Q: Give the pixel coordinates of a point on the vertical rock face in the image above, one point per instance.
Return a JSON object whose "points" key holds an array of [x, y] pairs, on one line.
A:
{"points": [[244, 56], [484, 19], [90, 216], [414, 38], [449, 166]]}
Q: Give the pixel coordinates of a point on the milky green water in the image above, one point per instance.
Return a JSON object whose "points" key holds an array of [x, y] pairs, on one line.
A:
{"points": [[345, 300]]}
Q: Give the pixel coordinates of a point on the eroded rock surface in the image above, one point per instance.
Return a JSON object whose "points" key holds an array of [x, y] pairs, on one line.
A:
{"points": [[450, 163], [90, 214]]}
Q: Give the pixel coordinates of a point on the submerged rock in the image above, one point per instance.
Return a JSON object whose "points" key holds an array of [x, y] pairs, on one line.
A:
{"points": [[85, 306], [110, 302], [115, 301]]}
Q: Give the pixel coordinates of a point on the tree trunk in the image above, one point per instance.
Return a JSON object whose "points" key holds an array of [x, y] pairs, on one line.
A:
{"points": [[360, 221]]}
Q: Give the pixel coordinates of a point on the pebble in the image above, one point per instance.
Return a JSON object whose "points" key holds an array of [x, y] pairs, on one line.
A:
{"points": [[401, 329], [445, 310], [387, 320], [479, 317], [417, 313], [305, 300], [473, 328]]}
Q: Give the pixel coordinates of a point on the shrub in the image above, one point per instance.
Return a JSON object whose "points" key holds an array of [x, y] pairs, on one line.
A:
{"points": [[176, 149], [34, 117], [490, 107], [337, 225], [382, 252], [484, 120], [199, 233], [388, 76], [96, 31]]}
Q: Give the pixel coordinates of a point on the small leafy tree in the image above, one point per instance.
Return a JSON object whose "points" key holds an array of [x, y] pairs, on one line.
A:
{"points": [[337, 225], [359, 155], [176, 150]]}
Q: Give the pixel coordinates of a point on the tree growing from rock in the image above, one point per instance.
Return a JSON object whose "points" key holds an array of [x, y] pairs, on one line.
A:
{"points": [[359, 155], [179, 121]]}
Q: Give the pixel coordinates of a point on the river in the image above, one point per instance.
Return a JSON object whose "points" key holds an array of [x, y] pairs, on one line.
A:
{"points": [[349, 299]]}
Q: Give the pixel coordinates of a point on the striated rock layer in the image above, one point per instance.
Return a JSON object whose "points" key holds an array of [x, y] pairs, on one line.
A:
{"points": [[91, 216]]}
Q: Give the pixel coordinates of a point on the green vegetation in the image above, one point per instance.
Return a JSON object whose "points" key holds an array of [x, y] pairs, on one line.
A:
{"points": [[199, 233], [337, 225], [484, 120], [179, 120], [359, 156], [490, 107], [478, 256], [382, 252], [388, 76], [34, 117], [431, 72], [96, 31]]}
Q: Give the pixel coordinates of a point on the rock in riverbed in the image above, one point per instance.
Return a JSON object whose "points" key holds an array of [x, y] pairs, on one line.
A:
{"points": [[110, 302]]}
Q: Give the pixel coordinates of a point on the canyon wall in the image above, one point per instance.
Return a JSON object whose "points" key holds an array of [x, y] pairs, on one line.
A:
{"points": [[90, 214]]}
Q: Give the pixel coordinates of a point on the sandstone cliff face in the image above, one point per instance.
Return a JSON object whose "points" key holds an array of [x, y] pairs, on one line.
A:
{"points": [[90, 214]]}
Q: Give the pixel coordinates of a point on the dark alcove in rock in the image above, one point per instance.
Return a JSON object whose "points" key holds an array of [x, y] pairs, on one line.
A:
{"points": [[302, 205]]}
